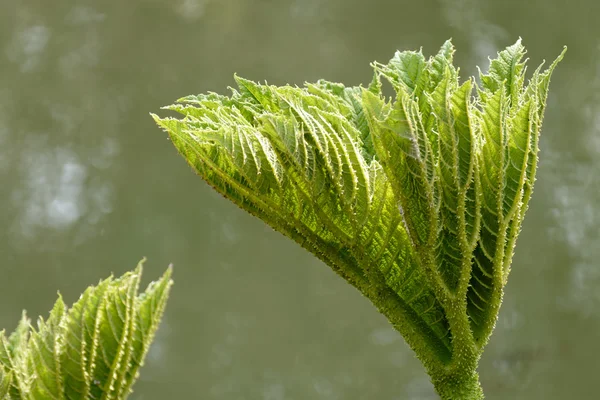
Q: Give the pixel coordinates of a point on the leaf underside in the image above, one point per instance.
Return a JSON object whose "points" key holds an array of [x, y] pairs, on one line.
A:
{"points": [[92, 350], [415, 200]]}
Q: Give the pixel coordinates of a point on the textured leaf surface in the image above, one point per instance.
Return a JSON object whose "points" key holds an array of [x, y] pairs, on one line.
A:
{"points": [[92, 350], [416, 200]]}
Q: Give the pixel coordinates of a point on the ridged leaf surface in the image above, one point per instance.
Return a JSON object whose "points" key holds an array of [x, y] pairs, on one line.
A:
{"points": [[415, 200], [92, 350]]}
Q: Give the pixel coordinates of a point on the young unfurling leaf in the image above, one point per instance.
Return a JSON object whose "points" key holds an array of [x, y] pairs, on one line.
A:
{"points": [[92, 350], [416, 201]]}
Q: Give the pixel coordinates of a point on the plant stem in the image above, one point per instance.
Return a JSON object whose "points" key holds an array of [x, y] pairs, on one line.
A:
{"points": [[458, 387]]}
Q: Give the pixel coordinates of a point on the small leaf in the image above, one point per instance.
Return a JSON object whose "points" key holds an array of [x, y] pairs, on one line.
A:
{"points": [[5, 383], [406, 71], [44, 355], [92, 350]]}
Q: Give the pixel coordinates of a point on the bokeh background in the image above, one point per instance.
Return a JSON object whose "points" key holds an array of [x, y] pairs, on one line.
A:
{"points": [[89, 185]]}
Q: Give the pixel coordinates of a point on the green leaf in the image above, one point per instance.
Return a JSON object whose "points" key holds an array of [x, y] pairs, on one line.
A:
{"points": [[416, 201], [406, 71], [5, 383], [92, 350], [508, 71], [13, 354], [44, 355]]}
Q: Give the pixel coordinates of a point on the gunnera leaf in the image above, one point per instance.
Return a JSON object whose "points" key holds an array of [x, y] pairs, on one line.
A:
{"points": [[92, 350], [415, 200]]}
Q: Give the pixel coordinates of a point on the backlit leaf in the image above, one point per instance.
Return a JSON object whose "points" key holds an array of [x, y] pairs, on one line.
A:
{"points": [[92, 350], [415, 200]]}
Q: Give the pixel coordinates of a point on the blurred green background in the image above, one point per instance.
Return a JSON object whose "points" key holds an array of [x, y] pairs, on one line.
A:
{"points": [[89, 185]]}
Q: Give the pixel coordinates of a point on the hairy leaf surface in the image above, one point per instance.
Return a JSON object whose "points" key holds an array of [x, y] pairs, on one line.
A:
{"points": [[415, 200], [92, 350]]}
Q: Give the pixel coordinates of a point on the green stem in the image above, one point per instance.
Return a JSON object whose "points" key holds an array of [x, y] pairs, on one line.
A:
{"points": [[457, 386]]}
